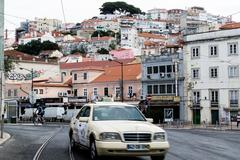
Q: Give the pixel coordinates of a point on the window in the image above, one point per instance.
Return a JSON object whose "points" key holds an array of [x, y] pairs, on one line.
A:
{"points": [[162, 69], [169, 88], [40, 91], [105, 91], [195, 52], [162, 89], [214, 96], [84, 112], [214, 72], [149, 89], [95, 91], [75, 93], [9, 93], [233, 48], [213, 51], [233, 96], [117, 91], [85, 93], [155, 69], [85, 75], [195, 73], [36, 91], [75, 77], [15, 93], [130, 91], [196, 97], [149, 70], [155, 89], [233, 71]]}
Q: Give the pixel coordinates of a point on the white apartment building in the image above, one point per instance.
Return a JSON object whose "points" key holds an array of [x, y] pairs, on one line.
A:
{"points": [[156, 13], [212, 81], [45, 25], [129, 37]]}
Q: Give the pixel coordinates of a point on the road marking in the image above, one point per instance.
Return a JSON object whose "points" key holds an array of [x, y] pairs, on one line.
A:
{"points": [[39, 151]]}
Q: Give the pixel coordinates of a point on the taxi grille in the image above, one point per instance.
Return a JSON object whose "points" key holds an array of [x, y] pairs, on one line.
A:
{"points": [[137, 137]]}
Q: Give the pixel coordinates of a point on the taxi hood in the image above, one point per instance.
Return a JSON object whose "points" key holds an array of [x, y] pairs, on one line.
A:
{"points": [[126, 126]]}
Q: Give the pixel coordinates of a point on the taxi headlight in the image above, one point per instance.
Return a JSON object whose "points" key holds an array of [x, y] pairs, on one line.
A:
{"points": [[160, 136], [109, 136]]}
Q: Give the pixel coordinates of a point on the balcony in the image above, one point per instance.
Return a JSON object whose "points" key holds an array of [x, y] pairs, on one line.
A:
{"points": [[233, 103], [214, 103]]}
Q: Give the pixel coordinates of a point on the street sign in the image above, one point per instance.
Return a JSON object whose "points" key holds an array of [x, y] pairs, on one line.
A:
{"points": [[168, 114]]}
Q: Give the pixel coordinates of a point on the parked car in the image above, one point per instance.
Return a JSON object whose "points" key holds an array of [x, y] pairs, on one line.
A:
{"points": [[117, 129], [28, 113], [54, 113], [70, 114]]}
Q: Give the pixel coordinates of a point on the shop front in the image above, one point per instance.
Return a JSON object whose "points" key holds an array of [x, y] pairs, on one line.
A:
{"points": [[164, 108]]}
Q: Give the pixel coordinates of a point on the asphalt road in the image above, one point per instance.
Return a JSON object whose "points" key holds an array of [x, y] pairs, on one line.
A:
{"points": [[185, 145]]}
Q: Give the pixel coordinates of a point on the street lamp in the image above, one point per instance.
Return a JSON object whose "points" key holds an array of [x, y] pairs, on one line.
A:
{"points": [[31, 83], [121, 63]]}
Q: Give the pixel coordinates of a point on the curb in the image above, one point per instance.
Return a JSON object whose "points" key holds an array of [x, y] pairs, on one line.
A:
{"points": [[6, 137]]}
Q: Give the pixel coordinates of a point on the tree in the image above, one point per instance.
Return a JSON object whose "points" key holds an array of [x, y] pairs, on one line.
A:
{"points": [[48, 45], [32, 48], [8, 65], [35, 47], [112, 46], [103, 33], [120, 7], [102, 51]]}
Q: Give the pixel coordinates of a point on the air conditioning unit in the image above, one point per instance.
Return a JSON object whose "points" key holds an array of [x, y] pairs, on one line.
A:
{"points": [[162, 75], [148, 76], [60, 94]]}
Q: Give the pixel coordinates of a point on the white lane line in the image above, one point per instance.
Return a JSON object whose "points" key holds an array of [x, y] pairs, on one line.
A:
{"points": [[39, 151]]}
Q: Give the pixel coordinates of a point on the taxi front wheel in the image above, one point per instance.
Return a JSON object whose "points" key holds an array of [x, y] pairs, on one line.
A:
{"points": [[93, 151], [157, 157]]}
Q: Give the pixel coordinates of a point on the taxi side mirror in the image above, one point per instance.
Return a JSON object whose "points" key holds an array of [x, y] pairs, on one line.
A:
{"points": [[150, 120], [83, 119]]}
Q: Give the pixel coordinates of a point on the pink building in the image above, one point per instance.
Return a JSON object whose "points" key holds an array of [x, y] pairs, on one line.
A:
{"points": [[97, 82], [122, 53]]}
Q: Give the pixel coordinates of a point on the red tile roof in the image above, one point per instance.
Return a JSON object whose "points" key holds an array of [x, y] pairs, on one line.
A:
{"points": [[105, 38], [13, 54], [111, 74], [16, 55], [150, 35], [66, 83], [230, 26], [88, 64]]}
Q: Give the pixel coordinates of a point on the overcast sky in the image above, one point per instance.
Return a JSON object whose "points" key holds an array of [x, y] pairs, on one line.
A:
{"points": [[78, 10]]}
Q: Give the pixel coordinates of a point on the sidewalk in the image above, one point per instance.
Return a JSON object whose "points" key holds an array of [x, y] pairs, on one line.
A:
{"points": [[203, 127], [6, 136]]}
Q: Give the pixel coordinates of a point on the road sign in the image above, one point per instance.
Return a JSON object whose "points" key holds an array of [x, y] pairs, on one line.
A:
{"points": [[168, 114]]}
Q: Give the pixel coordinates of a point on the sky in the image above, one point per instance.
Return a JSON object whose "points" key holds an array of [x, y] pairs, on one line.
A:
{"points": [[78, 10]]}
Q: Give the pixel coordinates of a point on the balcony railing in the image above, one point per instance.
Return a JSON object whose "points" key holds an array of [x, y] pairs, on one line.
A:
{"points": [[235, 101]]}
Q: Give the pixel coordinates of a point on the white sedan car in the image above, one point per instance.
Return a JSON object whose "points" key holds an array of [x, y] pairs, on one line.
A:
{"points": [[117, 129]]}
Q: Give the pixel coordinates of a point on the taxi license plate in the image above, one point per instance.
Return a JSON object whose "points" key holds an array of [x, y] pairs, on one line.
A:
{"points": [[137, 147]]}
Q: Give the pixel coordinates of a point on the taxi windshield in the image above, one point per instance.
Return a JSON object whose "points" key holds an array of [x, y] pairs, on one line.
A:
{"points": [[105, 113]]}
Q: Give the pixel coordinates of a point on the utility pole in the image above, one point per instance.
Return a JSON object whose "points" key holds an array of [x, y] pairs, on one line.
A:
{"points": [[176, 76], [2, 64]]}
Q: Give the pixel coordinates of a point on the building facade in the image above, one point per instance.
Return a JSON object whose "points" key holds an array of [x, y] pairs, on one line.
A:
{"points": [[162, 86], [212, 75]]}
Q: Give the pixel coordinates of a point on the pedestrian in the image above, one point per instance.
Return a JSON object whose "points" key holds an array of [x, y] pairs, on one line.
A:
{"points": [[238, 120]]}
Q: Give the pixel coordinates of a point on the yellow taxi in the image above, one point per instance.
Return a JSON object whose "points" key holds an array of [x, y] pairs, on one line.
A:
{"points": [[117, 129]]}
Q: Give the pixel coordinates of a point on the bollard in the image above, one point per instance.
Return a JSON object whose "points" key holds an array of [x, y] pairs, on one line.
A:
{"points": [[2, 122]]}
